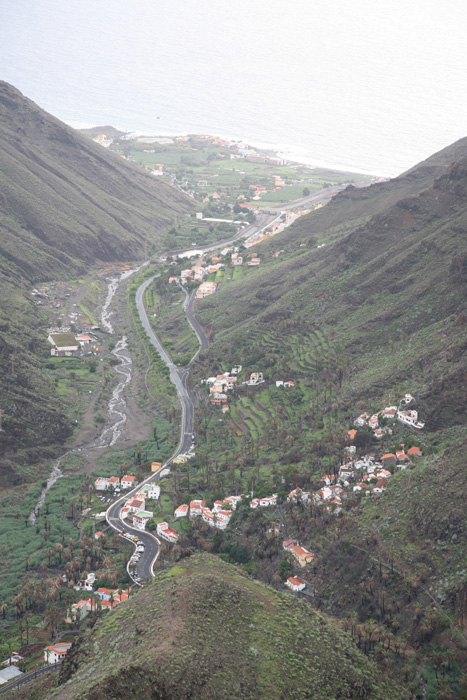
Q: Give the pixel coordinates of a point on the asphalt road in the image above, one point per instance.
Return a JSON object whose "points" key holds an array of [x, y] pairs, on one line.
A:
{"points": [[28, 677], [263, 220], [179, 377]]}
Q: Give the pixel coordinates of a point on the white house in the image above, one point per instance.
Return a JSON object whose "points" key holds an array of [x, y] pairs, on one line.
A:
{"points": [[100, 484], [135, 504], [362, 419], [128, 481], [56, 652], [295, 584], [208, 517], [181, 511], [8, 673], [373, 421], [408, 398], [86, 584], [232, 501], [196, 508], [410, 418], [322, 495], [152, 491], [112, 483], [380, 486], [255, 379], [298, 495], [141, 518], [264, 502], [223, 518], [166, 532], [63, 343]]}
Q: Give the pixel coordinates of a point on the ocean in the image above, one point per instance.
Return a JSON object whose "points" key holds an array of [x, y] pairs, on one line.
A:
{"points": [[367, 86]]}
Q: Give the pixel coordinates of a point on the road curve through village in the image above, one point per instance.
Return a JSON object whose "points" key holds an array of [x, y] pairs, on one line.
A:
{"points": [[179, 377]]}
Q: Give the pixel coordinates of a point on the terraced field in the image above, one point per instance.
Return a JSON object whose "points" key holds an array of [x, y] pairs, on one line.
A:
{"points": [[303, 356]]}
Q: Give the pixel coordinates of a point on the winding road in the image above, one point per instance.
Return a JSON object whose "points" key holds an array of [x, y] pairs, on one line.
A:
{"points": [[179, 377]]}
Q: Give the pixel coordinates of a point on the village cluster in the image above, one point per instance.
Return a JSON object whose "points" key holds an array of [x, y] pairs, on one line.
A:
{"points": [[226, 382], [367, 474], [199, 270], [219, 517], [407, 417], [361, 474], [134, 508], [101, 599]]}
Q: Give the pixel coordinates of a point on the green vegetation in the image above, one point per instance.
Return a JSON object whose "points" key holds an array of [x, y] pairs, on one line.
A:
{"points": [[355, 324], [164, 305], [158, 389], [66, 204], [202, 629]]}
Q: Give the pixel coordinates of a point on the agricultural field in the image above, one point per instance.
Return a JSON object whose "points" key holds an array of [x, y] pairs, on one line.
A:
{"points": [[203, 166]]}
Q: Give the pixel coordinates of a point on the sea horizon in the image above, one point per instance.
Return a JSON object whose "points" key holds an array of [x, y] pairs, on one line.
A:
{"points": [[359, 87]]}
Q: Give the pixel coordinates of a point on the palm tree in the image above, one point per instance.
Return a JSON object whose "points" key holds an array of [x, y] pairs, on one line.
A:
{"points": [[3, 608], [27, 620], [21, 629], [59, 549], [18, 604]]}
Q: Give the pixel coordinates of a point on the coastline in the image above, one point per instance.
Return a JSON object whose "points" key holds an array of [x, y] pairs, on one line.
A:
{"points": [[283, 151]]}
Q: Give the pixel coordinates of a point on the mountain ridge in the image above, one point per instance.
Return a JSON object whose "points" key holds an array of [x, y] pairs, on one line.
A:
{"points": [[66, 205]]}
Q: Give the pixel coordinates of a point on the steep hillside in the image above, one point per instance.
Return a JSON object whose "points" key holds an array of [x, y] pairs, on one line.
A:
{"points": [[65, 204], [388, 299], [356, 313], [355, 205], [204, 630], [66, 201]]}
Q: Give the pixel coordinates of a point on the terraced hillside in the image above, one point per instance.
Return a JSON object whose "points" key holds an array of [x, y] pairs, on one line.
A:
{"points": [[356, 313], [379, 310]]}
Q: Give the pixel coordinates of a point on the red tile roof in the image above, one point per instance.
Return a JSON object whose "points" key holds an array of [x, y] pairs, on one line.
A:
{"points": [[296, 581]]}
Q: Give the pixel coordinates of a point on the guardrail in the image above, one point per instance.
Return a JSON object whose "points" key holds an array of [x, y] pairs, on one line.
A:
{"points": [[28, 677]]}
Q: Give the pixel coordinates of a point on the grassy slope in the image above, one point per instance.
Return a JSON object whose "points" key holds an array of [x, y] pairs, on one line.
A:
{"points": [[383, 302], [204, 630], [388, 296], [67, 200], [65, 204]]}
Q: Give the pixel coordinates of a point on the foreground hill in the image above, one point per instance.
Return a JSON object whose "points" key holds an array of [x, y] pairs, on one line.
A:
{"points": [[65, 204], [204, 630]]}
